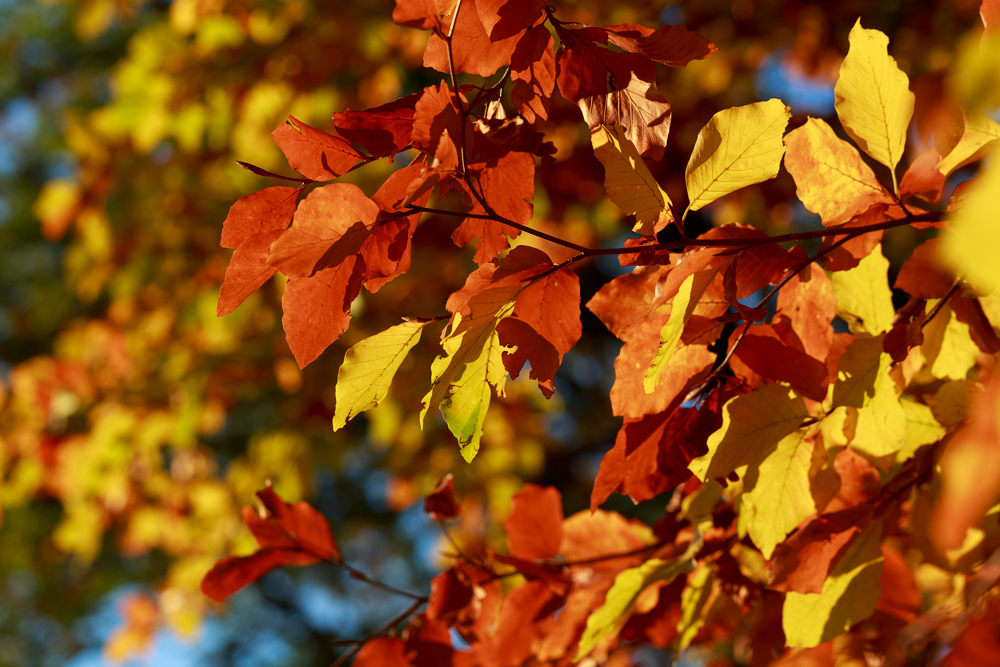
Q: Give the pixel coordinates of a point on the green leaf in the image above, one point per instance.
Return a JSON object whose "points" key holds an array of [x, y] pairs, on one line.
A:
{"points": [[752, 425], [684, 303], [859, 370], [368, 368], [628, 180], [849, 594], [970, 244], [779, 498], [738, 147], [472, 362], [605, 620], [873, 97], [864, 299]]}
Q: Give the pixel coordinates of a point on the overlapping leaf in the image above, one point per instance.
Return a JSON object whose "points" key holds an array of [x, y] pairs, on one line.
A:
{"points": [[313, 153], [629, 182], [640, 109]]}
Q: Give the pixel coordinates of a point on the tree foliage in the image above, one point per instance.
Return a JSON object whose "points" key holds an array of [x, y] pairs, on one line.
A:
{"points": [[824, 441]]}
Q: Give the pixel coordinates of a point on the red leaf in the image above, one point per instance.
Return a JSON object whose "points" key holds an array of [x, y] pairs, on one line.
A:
{"points": [[923, 275], [428, 643], [266, 210], [622, 302], [978, 644], [330, 225], [386, 253], [509, 186], [422, 14], [440, 503], [907, 330], [234, 572], [450, 593], [248, 270], [384, 130], [313, 153], [969, 311], [316, 310], [382, 652], [802, 562], [533, 71], [434, 113], [922, 178], [900, 596], [583, 67], [760, 349], [472, 49], [807, 305], [553, 576], [534, 527], [504, 18], [516, 632], [302, 522], [672, 45], [848, 255]]}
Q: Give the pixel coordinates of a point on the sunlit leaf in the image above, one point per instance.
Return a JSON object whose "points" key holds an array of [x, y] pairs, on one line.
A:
{"points": [[628, 180], [864, 299]]}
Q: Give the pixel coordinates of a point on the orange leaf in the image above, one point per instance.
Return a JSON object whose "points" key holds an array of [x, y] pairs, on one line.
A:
{"points": [[234, 572], [473, 50], [383, 652], [534, 527], [313, 153]]}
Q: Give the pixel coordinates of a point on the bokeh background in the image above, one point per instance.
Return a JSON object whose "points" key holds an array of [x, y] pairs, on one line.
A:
{"points": [[134, 423]]}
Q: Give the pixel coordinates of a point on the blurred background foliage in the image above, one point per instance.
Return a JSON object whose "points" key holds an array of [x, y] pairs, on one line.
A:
{"points": [[134, 423]]}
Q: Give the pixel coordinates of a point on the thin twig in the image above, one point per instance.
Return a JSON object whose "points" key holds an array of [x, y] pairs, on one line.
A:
{"points": [[378, 632], [940, 304]]}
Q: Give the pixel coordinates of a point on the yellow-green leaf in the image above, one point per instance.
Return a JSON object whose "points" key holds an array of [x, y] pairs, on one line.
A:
{"points": [[859, 370], [864, 299], [948, 347], [694, 598], [880, 428], [873, 97], [777, 497], [752, 425], [472, 362], [921, 429], [970, 244], [368, 368], [965, 139], [849, 594], [628, 180], [831, 179], [684, 303], [618, 602], [738, 147]]}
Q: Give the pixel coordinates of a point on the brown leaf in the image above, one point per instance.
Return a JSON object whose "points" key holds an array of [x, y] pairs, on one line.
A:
{"points": [[533, 71], [640, 108], [583, 67], [383, 130], [505, 18], [807, 304], [923, 178], [234, 572], [473, 50], [440, 502], [382, 652], [422, 14], [266, 210], [923, 275], [802, 562], [672, 45]]}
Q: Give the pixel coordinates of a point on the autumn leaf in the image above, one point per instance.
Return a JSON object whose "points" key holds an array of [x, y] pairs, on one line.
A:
{"points": [[961, 139], [534, 527], [753, 424], [873, 98], [474, 51], [850, 594], [368, 368], [330, 225], [970, 241], [629, 182], [533, 71], [738, 147], [313, 153], [584, 65], [440, 502], [831, 179], [383, 130], [673, 45], [864, 299], [640, 109]]}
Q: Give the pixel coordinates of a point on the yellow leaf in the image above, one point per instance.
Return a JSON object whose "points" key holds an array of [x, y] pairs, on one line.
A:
{"points": [[831, 179], [694, 600], [364, 377], [779, 497], [739, 147], [873, 98], [684, 303], [880, 429], [849, 594], [921, 429], [948, 348], [622, 595], [859, 371], [628, 180], [864, 299], [752, 424], [970, 244], [472, 362], [965, 139]]}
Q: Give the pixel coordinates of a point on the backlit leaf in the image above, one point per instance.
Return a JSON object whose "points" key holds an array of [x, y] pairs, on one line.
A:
{"points": [[313, 153], [779, 498], [753, 424], [534, 527], [684, 303], [368, 368], [739, 147], [628, 180], [961, 139], [830, 177], [864, 299], [849, 595], [873, 98], [640, 109], [860, 370], [971, 241], [880, 429]]}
